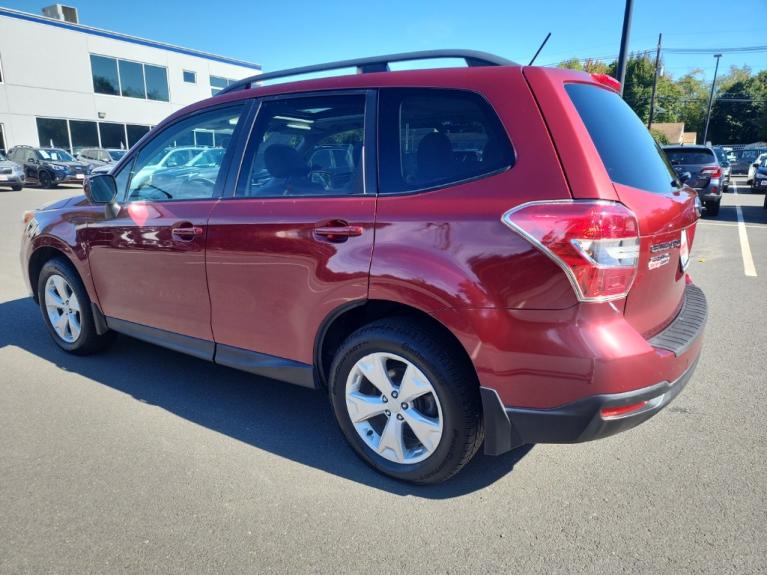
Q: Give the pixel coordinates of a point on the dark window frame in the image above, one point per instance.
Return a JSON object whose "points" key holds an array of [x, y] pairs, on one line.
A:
{"points": [[193, 75], [389, 130]]}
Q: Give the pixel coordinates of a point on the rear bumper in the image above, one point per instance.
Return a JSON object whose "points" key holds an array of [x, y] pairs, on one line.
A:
{"points": [[575, 422], [507, 427]]}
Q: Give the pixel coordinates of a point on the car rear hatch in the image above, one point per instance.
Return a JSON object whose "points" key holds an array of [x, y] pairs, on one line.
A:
{"points": [[700, 163], [608, 154]]}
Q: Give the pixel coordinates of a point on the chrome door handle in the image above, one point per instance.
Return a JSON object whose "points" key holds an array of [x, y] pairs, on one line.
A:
{"points": [[338, 233], [186, 234]]}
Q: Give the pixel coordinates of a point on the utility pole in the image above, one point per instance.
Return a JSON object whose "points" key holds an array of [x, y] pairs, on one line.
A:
{"points": [[654, 83], [711, 98], [625, 43]]}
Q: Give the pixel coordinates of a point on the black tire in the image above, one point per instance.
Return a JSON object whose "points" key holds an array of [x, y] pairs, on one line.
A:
{"points": [[88, 340], [16, 188], [452, 378], [712, 208], [45, 179]]}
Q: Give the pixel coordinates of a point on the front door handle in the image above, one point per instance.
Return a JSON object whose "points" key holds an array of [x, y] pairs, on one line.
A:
{"points": [[338, 233], [186, 233]]}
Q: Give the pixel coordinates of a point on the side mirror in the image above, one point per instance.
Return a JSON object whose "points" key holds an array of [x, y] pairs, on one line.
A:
{"points": [[102, 189], [684, 176]]}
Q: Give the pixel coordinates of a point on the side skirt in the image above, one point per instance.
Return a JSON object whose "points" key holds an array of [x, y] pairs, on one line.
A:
{"points": [[261, 364]]}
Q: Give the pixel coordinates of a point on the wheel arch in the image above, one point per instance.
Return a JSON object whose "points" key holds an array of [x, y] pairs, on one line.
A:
{"points": [[39, 258], [340, 323]]}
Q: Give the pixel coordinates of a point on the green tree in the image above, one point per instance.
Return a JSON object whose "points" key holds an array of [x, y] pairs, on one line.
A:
{"points": [[660, 137], [571, 64], [738, 113]]}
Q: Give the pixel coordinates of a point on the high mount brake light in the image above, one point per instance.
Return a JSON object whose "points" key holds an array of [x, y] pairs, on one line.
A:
{"points": [[596, 243], [608, 81]]}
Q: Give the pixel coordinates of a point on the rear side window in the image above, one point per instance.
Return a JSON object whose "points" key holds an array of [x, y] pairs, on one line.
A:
{"points": [[628, 151], [689, 156], [433, 138]]}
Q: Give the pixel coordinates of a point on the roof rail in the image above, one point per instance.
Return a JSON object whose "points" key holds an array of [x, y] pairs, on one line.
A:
{"points": [[375, 64]]}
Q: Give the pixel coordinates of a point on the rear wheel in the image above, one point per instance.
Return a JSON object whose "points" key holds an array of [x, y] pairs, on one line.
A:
{"points": [[712, 208], [67, 311], [405, 401]]}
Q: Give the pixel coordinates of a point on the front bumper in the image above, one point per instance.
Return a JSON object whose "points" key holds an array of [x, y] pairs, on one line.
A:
{"points": [[583, 420], [11, 180]]}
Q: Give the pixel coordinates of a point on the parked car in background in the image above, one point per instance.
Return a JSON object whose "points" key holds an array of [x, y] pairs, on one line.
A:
{"points": [[724, 162], [698, 168], [744, 158], [11, 174], [752, 168], [441, 300], [97, 157], [166, 159], [759, 179], [49, 167]]}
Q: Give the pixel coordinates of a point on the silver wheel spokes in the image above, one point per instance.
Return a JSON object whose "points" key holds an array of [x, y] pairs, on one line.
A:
{"points": [[394, 408], [63, 308]]}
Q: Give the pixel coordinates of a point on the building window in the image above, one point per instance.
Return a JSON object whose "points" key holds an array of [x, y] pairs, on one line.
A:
{"points": [[1, 74], [135, 133], [112, 135], [84, 135], [129, 79], [218, 83], [190, 77], [52, 133], [105, 79], [156, 83]]}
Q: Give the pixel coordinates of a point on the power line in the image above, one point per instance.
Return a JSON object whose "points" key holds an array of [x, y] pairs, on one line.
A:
{"points": [[715, 50]]}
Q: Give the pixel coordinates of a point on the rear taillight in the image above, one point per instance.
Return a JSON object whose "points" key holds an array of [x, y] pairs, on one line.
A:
{"points": [[712, 172], [596, 243]]}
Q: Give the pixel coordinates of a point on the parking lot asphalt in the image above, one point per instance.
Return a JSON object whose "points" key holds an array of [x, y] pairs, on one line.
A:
{"points": [[142, 460]]}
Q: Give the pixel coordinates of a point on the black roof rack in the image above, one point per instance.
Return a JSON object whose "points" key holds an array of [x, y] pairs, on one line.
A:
{"points": [[375, 64]]}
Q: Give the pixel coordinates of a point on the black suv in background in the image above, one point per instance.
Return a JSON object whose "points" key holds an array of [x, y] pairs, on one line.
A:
{"points": [[698, 167], [49, 167]]}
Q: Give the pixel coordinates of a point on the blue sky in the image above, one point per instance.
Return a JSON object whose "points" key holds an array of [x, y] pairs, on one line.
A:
{"points": [[287, 33]]}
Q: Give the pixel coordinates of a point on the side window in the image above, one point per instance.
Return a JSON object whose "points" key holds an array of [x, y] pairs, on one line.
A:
{"points": [[294, 142], [432, 138], [169, 166]]}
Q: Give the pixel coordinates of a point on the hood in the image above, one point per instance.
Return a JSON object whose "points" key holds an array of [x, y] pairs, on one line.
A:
{"points": [[58, 204]]}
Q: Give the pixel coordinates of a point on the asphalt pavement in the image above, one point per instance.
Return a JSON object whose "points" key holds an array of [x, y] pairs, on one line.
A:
{"points": [[143, 460]]}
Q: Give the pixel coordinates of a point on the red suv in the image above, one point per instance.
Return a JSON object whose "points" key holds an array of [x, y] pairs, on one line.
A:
{"points": [[493, 254]]}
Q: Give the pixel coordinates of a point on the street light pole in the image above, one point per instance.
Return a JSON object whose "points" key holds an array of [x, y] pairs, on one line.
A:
{"points": [[711, 98], [654, 83], [624, 43]]}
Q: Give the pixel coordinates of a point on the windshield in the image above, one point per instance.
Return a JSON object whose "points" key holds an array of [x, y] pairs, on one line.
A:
{"points": [[56, 155], [116, 154], [689, 156]]}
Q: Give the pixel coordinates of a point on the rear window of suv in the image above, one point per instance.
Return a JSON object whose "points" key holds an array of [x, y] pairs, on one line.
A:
{"points": [[628, 151], [688, 156]]}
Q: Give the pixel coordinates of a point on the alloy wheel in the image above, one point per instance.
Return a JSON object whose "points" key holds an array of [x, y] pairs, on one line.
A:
{"points": [[394, 408], [63, 308]]}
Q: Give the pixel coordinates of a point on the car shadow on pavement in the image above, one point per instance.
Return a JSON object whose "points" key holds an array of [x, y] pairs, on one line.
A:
{"points": [[264, 413], [751, 214]]}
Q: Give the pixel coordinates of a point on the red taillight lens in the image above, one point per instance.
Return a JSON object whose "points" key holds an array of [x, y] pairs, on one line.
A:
{"points": [[712, 172], [596, 243], [611, 412]]}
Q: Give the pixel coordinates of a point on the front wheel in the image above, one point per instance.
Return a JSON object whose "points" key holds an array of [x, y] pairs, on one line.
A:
{"points": [[405, 401], [16, 188], [46, 180], [67, 311]]}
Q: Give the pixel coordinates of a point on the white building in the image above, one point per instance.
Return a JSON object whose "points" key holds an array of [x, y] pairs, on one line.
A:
{"points": [[72, 86]]}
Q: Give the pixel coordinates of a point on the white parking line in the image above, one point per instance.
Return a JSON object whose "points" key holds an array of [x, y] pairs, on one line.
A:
{"points": [[745, 248]]}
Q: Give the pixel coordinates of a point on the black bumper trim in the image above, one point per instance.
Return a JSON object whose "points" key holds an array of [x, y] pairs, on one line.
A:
{"points": [[509, 427], [680, 334]]}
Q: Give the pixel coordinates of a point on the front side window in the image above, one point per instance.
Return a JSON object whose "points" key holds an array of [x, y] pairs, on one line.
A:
{"points": [[168, 169], [292, 146], [433, 138]]}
